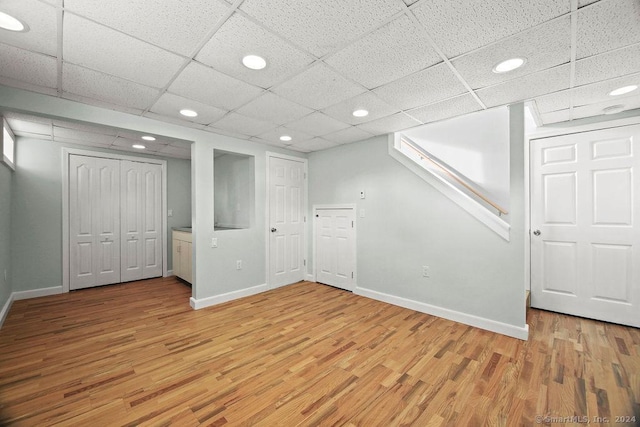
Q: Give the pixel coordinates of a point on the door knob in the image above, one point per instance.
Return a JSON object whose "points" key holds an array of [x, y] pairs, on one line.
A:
{"points": [[273, 230], [536, 233]]}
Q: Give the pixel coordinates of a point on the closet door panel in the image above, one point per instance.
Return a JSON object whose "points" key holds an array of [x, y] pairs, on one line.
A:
{"points": [[131, 196], [107, 221], [152, 220]]}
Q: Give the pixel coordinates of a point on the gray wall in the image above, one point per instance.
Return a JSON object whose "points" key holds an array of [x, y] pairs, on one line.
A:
{"points": [[409, 224], [37, 211], [6, 178], [233, 191]]}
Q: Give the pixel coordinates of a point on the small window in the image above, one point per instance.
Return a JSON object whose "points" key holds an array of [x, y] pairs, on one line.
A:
{"points": [[8, 145]]}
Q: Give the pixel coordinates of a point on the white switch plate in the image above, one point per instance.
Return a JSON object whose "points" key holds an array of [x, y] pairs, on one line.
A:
{"points": [[362, 194], [170, 212], [214, 242], [425, 271], [361, 213], [238, 265]]}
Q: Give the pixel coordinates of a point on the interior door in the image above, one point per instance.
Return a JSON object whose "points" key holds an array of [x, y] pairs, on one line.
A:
{"points": [[585, 242], [286, 221], [335, 247], [152, 220], [132, 200], [94, 221]]}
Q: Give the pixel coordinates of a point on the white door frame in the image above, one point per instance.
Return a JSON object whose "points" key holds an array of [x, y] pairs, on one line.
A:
{"points": [[267, 212], [347, 206], [547, 133], [66, 152]]}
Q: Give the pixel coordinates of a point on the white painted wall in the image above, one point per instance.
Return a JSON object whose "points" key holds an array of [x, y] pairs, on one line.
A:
{"points": [[408, 224], [6, 181], [233, 190], [477, 145]]}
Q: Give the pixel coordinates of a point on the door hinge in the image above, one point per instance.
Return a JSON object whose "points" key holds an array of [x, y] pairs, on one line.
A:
{"points": [[304, 262], [352, 274], [351, 224]]}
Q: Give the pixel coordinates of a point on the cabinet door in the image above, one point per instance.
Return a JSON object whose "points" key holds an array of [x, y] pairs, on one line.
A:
{"points": [[176, 257], [185, 260]]}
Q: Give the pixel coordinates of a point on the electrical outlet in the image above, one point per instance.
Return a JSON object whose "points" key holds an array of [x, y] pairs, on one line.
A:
{"points": [[425, 271], [239, 265]]}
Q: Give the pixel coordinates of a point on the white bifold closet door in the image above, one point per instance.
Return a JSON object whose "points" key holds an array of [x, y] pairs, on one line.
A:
{"points": [[94, 221], [141, 219]]}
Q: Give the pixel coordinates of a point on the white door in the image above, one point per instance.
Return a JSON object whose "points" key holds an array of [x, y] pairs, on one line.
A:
{"points": [[286, 221], [585, 223], [94, 221], [141, 201], [335, 247]]}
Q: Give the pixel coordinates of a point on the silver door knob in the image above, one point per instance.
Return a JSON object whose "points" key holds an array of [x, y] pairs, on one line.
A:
{"points": [[273, 230], [536, 233]]}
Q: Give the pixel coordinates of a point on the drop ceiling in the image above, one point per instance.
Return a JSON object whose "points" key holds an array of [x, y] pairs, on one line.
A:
{"points": [[407, 62]]}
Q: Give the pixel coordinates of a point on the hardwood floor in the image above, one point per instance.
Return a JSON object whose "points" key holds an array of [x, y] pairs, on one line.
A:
{"points": [[305, 354]]}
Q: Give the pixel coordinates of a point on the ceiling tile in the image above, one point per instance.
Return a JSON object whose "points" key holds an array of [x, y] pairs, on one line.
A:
{"points": [[389, 53], [273, 144], [92, 128], [29, 67], [25, 117], [104, 88], [18, 126], [79, 136], [227, 133], [553, 102], [446, 109], [150, 146], [476, 23], [318, 87], [42, 20], [317, 124], [181, 144], [24, 134], [545, 46], [393, 123], [629, 103], [160, 140], [526, 87], [597, 92], [275, 109], [321, 26], [367, 101], [608, 65], [410, 2], [424, 87], [211, 87], [174, 120], [582, 3], [175, 25], [170, 105], [346, 136], [244, 125], [607, 25], [171, 151], [556, 116], [108, 51], [239, 37], [315, 144], [275, 134], [300, 149]]}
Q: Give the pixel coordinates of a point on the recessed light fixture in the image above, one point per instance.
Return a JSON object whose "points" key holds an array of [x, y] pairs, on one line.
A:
{"points": [[254, 62], [285, 138], [614, 109], [10, 23], [509, 65], [138, 146], [188, 113], [360, 113], [623, 90], [148, 138]]}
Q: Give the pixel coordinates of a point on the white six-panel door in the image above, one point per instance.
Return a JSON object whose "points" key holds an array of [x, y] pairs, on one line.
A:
{"points": [[141, 199], [94, 221], [286, 217], [585, 223], [335, 247]]}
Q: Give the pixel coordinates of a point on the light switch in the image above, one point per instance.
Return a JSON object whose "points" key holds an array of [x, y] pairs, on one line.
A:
{"points": [[214, 242], [170, 212], [361, 213]]}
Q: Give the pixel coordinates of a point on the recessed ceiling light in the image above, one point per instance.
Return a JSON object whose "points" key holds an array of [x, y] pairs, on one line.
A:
{"points": [[139, 146], [360, 113], [8, 22], [285, 138], [509, 65], [148, 138], [254, 62], [623, 90], [188, 113], [614, 109]]}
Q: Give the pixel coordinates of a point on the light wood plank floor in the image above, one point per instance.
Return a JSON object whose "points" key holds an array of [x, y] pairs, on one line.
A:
{"points": [[305, 354]]}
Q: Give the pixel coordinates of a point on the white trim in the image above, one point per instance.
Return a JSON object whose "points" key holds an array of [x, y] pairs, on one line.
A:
{"points": [[267, 211], [495, 223], [345, 206], [169, 273], [197, 304], [6, 308], [456, 316], [66, 152], [311, 277], [35, 293]]}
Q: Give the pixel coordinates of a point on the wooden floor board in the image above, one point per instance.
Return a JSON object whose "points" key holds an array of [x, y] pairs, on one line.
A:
{"points": [[305, 354]]}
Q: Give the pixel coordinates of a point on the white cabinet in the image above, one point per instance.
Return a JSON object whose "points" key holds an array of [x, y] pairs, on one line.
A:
{"points": [[182, 255]]}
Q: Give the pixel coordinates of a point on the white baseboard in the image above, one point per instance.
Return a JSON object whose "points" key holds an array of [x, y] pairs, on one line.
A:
{"points": [[35, 293], [5, 309], [468, 319], [169, 273], [310, 278], [197, 304]]}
